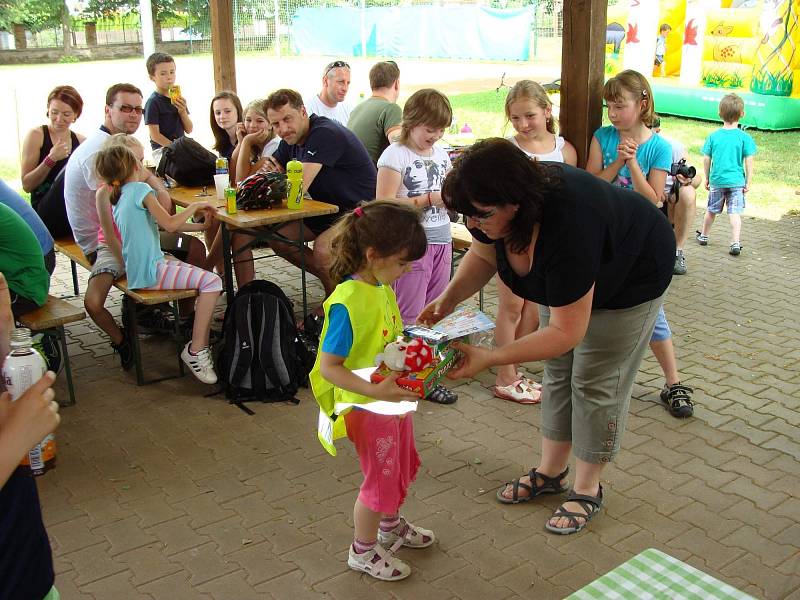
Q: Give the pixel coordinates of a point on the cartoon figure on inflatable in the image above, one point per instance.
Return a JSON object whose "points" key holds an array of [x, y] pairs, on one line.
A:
{"points": [[713, 47]]}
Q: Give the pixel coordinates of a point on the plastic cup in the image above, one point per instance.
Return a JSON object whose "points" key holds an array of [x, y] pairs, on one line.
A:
{"points": [[221, 181]]}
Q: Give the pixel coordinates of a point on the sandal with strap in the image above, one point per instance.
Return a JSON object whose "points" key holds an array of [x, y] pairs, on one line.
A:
{"points": [[550, 485], [520, 391], [677, 399], [441, 395], [406, 534], [591, 506], [380, 563]]}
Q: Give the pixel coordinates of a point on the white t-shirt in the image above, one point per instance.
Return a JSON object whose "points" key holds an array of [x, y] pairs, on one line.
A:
{"points": [[270, 147], [418, 176], [339, 113], [555, 155], [80, 185]]}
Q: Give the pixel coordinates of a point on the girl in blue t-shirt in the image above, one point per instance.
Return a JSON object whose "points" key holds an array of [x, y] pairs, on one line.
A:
{"points": [[627, 153], [137, 213]]}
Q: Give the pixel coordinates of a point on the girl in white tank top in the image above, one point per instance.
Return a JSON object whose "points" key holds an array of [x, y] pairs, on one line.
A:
{"points": [[530, 112]]}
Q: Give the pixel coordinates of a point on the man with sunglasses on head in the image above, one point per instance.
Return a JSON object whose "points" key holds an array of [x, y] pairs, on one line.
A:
{"points": [[330, 102], [123, 114]]}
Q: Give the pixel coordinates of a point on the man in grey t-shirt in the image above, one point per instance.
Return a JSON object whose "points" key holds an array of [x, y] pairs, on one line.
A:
{"points": [[376, 121]]}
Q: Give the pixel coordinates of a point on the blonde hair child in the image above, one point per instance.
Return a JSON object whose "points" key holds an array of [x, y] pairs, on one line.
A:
{"points": [[530, 112], [137, 213], [628, 153], [257, 140]]}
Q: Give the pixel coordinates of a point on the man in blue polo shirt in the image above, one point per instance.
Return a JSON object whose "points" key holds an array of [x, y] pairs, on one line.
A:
{"points": [[336, 169]]}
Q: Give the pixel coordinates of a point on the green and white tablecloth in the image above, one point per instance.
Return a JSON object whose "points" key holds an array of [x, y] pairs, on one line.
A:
{"points": [[653, 575]]}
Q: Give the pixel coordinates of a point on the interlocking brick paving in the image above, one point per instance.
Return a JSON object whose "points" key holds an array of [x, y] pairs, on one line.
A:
{"points": [[164, 493]]}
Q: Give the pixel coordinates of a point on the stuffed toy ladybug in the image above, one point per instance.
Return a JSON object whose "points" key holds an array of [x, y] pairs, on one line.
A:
{"points": [[407, 355]]}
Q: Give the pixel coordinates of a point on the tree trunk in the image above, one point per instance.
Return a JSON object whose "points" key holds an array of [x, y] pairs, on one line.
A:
{"points": [[66, 29], [20, 41], [90, 29]]}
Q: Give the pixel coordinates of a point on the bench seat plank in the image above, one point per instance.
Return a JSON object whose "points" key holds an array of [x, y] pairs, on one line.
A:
{"points": [[55, 313], [70, 249]]}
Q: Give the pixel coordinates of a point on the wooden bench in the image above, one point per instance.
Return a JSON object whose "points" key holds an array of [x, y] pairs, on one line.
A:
{"points": [[69, 248], [51, 318], [462, 240]]}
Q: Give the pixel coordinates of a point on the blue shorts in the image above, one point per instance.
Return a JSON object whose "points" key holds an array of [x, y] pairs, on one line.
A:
{"points": [[732, 197], [661, 331]]}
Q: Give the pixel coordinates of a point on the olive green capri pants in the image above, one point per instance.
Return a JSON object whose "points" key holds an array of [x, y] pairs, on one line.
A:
{"points": [[587, 391]]}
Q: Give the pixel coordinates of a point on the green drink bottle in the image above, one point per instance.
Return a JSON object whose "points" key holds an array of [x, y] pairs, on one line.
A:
{"points": [[294, 179]]}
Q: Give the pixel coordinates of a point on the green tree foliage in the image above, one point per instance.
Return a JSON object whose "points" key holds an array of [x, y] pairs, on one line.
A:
{"points": [[35, 15]]}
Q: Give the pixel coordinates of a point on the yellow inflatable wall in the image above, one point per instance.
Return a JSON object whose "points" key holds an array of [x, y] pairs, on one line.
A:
{"points": [[754, 47]]}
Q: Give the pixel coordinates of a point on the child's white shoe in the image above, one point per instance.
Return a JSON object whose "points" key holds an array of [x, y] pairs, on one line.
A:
{"points": [[380, 563], [200, 364], [412, 536]]}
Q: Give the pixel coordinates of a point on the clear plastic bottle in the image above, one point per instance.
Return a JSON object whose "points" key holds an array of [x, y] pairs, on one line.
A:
{"points": [[23, 367]]}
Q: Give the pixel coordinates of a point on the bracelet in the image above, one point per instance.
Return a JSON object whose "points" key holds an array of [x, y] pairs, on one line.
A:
{"points": [[429, 200], [49, 162]]}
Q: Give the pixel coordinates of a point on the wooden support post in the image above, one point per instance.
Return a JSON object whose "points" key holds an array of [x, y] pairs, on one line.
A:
{"points": [[222, 45], [582, 72]]}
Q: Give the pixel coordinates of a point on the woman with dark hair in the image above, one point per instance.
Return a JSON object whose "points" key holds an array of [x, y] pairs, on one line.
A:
{"points": [[226, 115], [598, 260], [46, 149]]}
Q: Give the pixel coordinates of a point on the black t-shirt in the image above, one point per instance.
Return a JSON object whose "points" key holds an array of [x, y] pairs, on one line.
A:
{"points": [[159, 110], [348, 175], [594, 233], [26, 562]]}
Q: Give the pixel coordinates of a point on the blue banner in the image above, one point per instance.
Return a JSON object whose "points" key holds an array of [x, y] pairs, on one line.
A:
{"points": [[466, 32]]}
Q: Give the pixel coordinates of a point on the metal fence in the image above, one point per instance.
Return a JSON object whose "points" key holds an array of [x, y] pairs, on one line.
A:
{"points": [[265, 25]]}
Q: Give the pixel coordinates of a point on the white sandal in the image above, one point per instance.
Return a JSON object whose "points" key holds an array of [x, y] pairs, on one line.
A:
{"points": [[411, 536], [380, 563], [520, 391]]}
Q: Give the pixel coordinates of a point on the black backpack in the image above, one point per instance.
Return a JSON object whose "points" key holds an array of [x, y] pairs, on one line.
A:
{"points": [[188, 163], [262, 356]]}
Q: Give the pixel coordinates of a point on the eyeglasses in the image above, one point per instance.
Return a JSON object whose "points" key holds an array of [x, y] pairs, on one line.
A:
{"points": [[484, 216], [127, 109], [338, 64]]}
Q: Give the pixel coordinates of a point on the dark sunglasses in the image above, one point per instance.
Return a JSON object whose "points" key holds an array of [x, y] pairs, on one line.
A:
{"points": [[336, 65], [127, 109]]}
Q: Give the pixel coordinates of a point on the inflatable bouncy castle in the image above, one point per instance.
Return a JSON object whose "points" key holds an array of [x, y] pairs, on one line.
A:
{"points": [[710, 48]]}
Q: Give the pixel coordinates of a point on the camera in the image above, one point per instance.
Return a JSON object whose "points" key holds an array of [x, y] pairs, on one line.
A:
{"points": [[681, 168]]}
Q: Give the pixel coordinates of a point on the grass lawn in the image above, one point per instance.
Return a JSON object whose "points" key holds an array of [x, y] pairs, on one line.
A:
{"points": [[776, 177]]}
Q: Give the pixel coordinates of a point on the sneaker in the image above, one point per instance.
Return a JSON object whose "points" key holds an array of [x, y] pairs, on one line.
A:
{"points": [[441, 395], [125, 350], [701, 239], [736, 249], [677, 399], [380, 563], [412, 536], [680, 264], [200, 364], [49, 347]]}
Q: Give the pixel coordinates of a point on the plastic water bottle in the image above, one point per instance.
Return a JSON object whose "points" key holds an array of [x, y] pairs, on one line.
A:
{"points": [[23, 367], [294, 180], [222, 166]]}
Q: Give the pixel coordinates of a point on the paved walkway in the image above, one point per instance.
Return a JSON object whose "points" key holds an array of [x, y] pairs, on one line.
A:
{"points": [[163, 493]]}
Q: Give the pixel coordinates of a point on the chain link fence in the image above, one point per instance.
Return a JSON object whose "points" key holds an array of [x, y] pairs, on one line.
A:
{"points": [[265, 26]]}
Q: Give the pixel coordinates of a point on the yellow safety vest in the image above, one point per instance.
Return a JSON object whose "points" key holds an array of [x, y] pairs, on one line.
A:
{"points": [[376, 321]]}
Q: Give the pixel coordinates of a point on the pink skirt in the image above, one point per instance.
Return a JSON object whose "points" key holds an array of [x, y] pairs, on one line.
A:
{"points": [[388, 458]]}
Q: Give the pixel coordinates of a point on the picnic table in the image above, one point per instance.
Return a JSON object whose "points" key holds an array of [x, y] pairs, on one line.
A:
{"points": [[655, 575], [263, 224]]}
